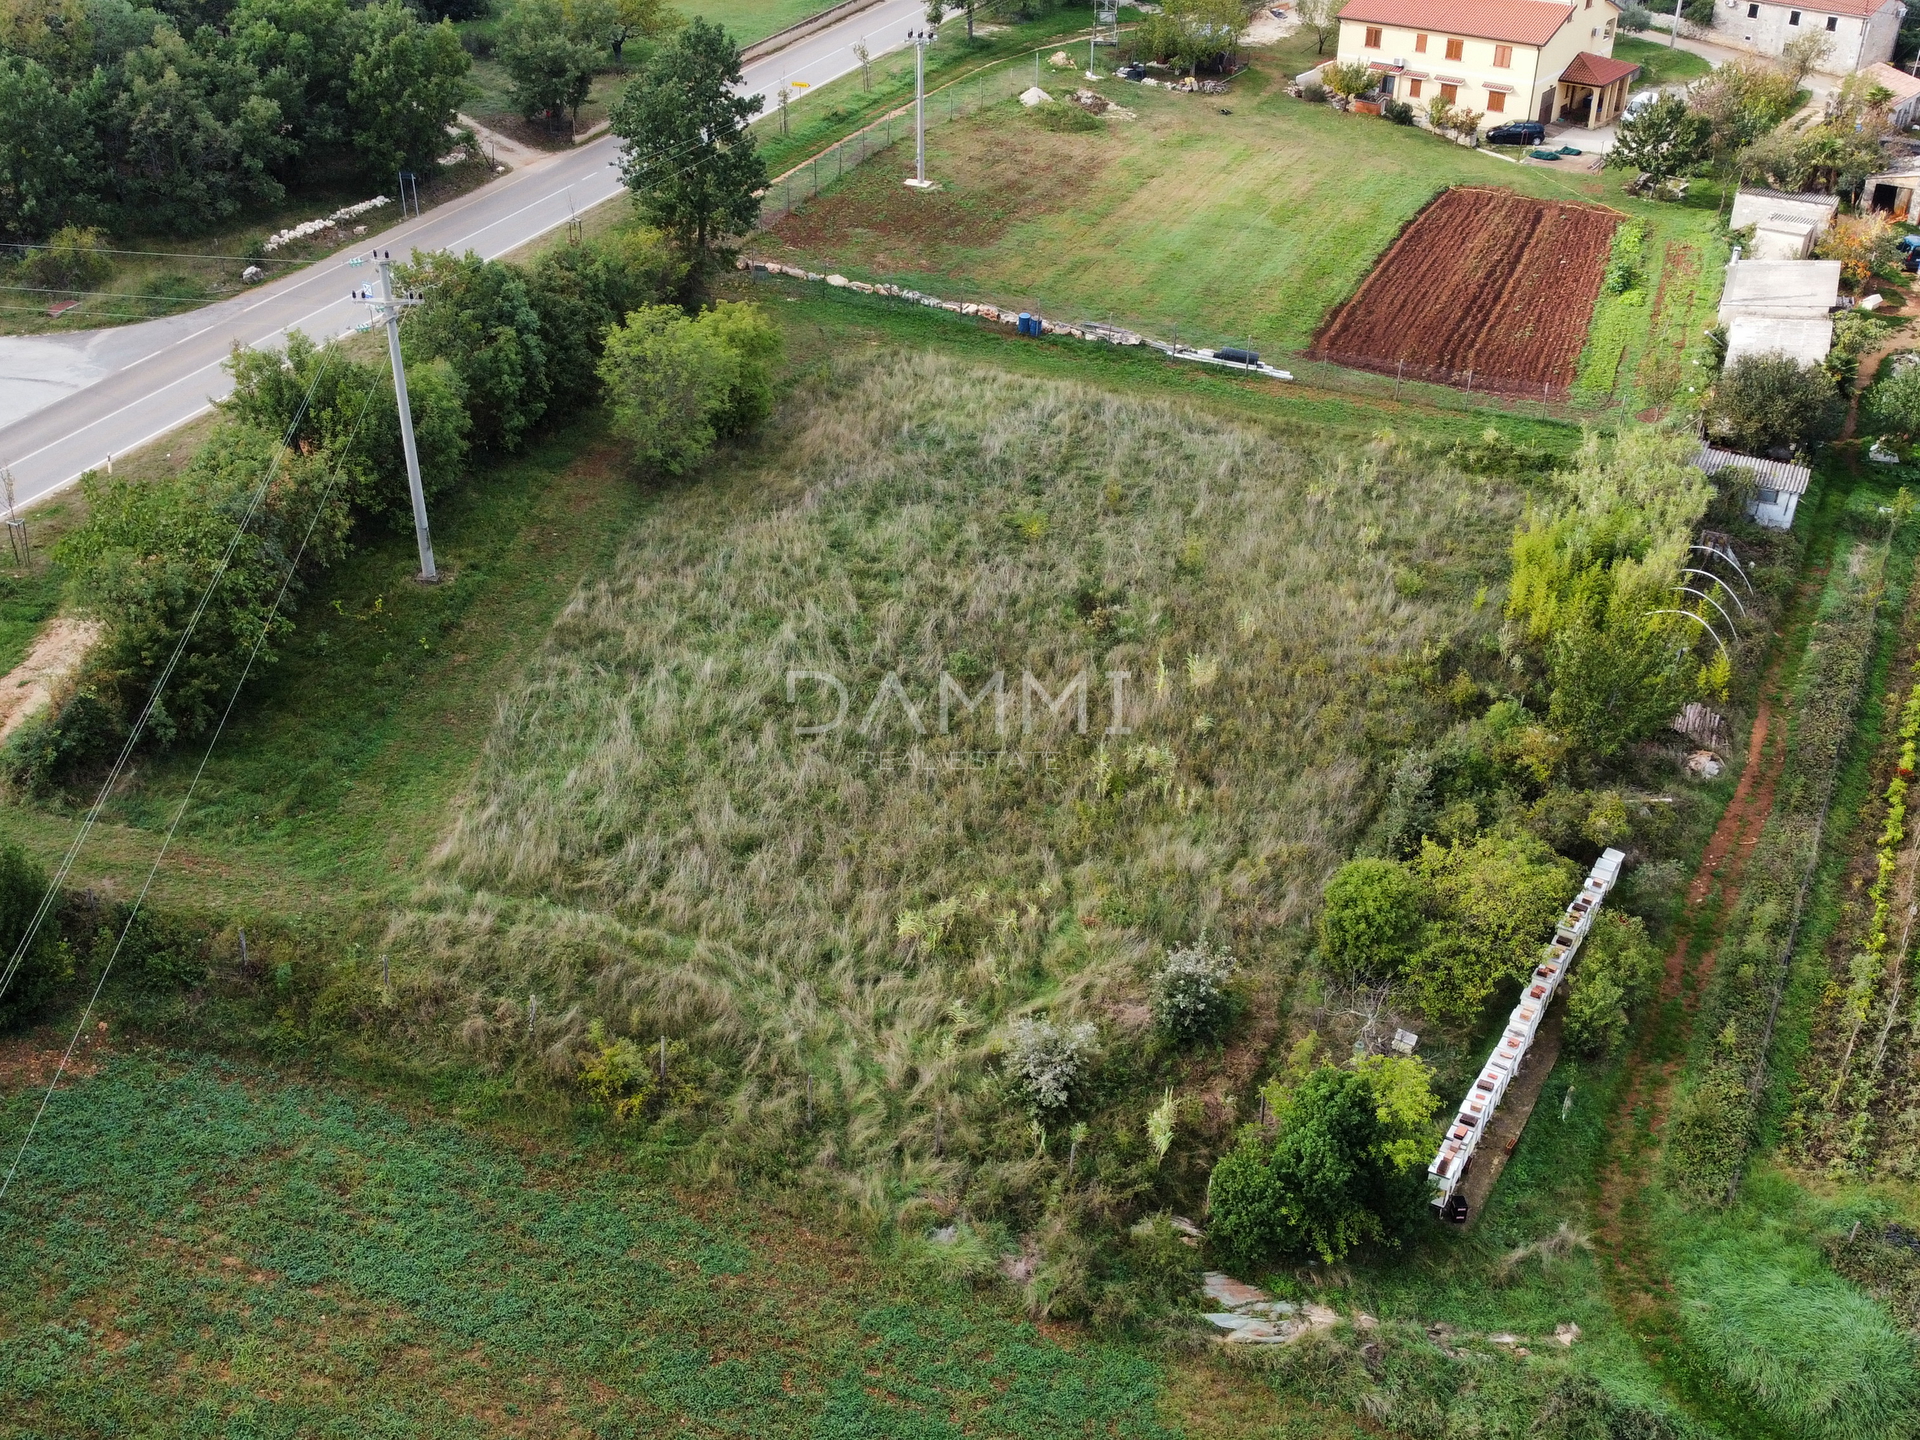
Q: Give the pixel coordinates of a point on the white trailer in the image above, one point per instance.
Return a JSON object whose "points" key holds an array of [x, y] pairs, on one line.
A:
{"points": [[1469, 1124]]}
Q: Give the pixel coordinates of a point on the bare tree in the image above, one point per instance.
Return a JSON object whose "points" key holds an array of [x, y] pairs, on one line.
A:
{"points": [[863, 55], [1322, 17], [1801, 56]]}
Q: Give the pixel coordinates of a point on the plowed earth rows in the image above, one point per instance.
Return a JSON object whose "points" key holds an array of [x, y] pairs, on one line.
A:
{"points": [[1485, 289]]}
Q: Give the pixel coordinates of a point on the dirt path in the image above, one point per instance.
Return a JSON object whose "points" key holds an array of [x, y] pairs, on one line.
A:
{"points": [[1901, 339], [1640, 1292], [55, 654], [1516, 1107]]}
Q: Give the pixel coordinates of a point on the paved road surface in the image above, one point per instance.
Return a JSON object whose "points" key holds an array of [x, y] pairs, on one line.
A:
{"points": [[69, 401]]}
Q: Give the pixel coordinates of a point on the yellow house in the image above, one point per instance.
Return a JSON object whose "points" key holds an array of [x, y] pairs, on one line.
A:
{"points": [[1510, 59]]}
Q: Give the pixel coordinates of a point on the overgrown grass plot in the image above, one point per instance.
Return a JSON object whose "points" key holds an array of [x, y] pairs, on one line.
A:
{"points": [[649, 839], [192, 1251]]}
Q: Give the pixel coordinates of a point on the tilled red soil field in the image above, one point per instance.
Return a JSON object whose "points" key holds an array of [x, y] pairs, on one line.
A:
{"points": [[1485, 289]]}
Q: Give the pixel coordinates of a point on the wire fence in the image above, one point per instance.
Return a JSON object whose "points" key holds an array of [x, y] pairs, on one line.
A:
{"points": [[953, 101]]}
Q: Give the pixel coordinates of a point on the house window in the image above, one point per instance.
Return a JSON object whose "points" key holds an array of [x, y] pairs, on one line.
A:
{"points": [[1449, 93], [1793, 18], [1373, 37], [1455, 49], [1503, 57], [1753, 12], [1496, 103], [1833, 22], [1420, 44], [1766, 497], [1413, 89], [1606, 31]]}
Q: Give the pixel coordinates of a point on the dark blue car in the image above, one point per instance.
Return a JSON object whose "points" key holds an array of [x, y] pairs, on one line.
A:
{"points": [[1520, 132]]}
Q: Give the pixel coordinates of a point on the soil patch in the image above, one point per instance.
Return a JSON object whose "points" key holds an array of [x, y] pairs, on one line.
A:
{"points": [[991, 175], [54, 656], [1485, 289], [29, 1062]]}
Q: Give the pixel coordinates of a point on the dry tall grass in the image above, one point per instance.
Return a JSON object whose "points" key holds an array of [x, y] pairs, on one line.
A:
{"points": [[647, 840]]}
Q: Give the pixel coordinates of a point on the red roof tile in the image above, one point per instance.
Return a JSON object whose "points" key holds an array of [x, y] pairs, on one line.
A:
{"points": [[1838, 7], [1591, 69], [1525, 22]]}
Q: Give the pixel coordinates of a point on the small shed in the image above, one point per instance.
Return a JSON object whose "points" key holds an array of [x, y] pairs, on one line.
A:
{"points": [[1906, 92], [1782, 240], [1893, 191], [1803, 341], [1777, 488], [1752, 207], [1781, 289]]}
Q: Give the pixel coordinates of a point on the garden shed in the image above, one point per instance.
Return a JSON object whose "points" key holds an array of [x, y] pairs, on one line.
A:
{"points": [[1754, 207], [1892, 191], [1777, 484], [1806, 342], [1780, 289], [1905, 107]]}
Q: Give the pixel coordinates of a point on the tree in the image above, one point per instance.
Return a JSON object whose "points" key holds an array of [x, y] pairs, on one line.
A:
{"points": [[1494, 904], [550, 68], [49, 159], [690, 158], [1763, 403], [1372, 917], [1663, 139], [666, 380], [1893, 404], [582, 291], [1698, 14], [1344, 1171], [1322, 17], [1589, 579], [753, 343], [1351, 81], [1612, 974], [404, 87], [1741, 100], [613, 23], [1863, 244], [478, 318], [1802, 55]]}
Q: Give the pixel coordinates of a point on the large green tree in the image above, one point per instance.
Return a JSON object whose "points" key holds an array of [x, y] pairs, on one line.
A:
{"points": [[478, 317], [550, 66], [49, 159], [1663, 139], [1763, 402], [405, 84], [1372, 917], [690, 158], [1343, 1171]]}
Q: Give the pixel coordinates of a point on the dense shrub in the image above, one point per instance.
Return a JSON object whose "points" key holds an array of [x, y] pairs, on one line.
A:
{"points": [[582, 291], [676, 384], [45, 962], [352, 419], [1372, 918], [141, 564], [1614, 971], [1344, 1171], [74, 259], [478, 317], [1047, 1063], [1190, 996]]}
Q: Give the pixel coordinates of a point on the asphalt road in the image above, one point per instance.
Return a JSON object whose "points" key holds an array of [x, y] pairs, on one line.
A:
{"points": [[67, 402]]}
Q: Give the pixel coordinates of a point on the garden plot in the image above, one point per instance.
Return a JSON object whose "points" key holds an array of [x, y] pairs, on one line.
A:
{"points": [[1486, 289]]}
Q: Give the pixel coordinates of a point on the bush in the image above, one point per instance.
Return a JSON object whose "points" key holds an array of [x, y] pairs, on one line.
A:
{"points": [[1372, 918], [1190, 997], [1046, 1063], [47, 960], [141, 563], [676, 384], [1614, 971], [582, 291], [72, 260], [1345, 1170], [1398, 111], [1893, 404], [359, 435], [1352, 80], [1058, 115], [1494, 902], [1764, 403], [1314, 93]]}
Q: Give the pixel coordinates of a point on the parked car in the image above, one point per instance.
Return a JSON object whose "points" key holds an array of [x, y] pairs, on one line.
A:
{"points": [[1520, 132], [1908, 243], [1637, 103]]}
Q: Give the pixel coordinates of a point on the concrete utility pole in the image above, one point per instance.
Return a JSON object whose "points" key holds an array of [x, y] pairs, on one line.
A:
{"points": [[920, 40], [386, 306]]}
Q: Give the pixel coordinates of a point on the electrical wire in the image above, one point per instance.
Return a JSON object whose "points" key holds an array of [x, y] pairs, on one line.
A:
{"points": [[279, 599], [161, 254], [108, 294], [88, 314], [51, 897]]}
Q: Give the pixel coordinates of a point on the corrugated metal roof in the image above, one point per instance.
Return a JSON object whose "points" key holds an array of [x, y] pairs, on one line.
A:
{"points": [[1590, 69], [1528, 22], [1781, 475]]}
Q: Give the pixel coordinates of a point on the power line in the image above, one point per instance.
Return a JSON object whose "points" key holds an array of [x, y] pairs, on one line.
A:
{"points": [[161, 254], [187, 799], [108, 294]]}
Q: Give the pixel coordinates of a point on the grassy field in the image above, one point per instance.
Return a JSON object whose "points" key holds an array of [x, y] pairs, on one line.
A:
{"points": [[193, 1249], [1241, 227], [1660, 64]]}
